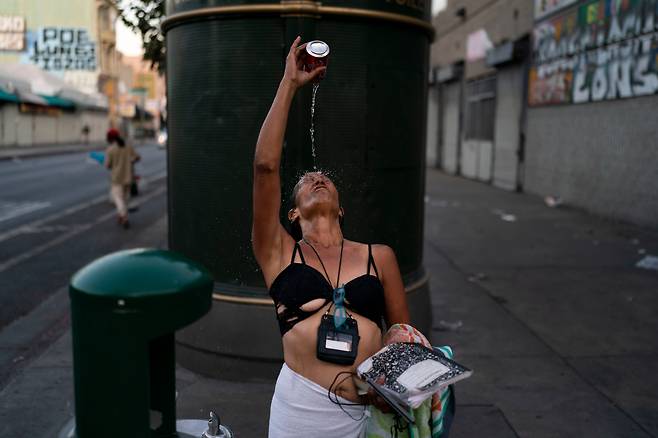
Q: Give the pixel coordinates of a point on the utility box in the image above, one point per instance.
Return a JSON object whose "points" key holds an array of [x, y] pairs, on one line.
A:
{"points": [[125, 308]]}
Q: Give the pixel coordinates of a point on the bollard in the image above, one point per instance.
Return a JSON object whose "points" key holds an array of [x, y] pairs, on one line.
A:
{"points": [[125, 308]]}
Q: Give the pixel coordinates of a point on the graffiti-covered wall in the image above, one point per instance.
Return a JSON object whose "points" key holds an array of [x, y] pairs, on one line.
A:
{"points": [[597, 50], [63, 49]]}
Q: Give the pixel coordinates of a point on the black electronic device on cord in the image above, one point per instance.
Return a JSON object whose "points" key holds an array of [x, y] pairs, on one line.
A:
{"points": [[337, 344]]}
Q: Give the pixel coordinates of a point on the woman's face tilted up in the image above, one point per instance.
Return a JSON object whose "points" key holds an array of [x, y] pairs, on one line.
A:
{"points": [[315, 193]]}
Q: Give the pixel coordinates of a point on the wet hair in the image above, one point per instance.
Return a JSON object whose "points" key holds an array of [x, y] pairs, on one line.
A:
{"points": [[294, 229]]}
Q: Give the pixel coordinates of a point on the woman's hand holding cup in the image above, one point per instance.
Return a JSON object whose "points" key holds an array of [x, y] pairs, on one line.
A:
{"points": [[294, 74]]}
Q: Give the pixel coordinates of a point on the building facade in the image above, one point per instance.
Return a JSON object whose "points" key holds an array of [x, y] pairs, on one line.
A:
{"points": [[60, 37], [69, 40], [146, 97], [554, 98], [108, 56]]}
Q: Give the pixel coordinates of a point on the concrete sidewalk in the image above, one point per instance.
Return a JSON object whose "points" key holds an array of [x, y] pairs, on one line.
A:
{"points": [[546, 305]]}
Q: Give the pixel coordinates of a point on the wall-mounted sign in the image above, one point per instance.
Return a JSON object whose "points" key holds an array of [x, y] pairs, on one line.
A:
{"points": [[600, 50], [546, 7], [63, 49], [12, 33]]}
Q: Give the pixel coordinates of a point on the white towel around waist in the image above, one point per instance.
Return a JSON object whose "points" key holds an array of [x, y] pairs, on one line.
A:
{"points": [[301, 408]]}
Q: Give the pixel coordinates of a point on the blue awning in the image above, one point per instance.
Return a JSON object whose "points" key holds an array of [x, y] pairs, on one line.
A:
{"points": [[8, 97], [59, 102], [29, 97]]}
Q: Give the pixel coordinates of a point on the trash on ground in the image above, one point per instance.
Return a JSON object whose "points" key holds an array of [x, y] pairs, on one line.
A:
{"points": [[18, 359], [635, 241], [478, 277], [553, 201], [507, 217], [648, 262], [447, 326], [439, 202], [641, 251]]}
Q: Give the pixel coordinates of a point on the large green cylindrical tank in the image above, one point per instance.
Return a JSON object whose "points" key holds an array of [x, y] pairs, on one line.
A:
{"points": [[224, 62]]}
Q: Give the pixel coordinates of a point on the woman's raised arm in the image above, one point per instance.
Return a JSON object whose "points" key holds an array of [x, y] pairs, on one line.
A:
{"points": [[269, 238]]}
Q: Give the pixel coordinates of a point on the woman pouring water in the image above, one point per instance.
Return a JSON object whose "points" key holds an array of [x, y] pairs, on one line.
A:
{"points": [[331, 294]]}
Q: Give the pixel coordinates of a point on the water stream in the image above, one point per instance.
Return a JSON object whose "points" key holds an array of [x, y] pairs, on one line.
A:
{"points": [[312, 130]]}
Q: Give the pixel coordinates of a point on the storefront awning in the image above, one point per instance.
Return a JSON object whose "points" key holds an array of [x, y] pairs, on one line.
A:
{"points": [[26, 96], [8, 97], [59, 102]]}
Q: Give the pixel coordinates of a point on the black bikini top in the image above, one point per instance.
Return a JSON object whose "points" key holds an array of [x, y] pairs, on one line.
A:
{"points": [[300, 283]]}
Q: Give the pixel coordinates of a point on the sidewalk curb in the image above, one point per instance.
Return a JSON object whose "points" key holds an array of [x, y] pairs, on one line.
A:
{"points": [[40, 151], [28, 337]]}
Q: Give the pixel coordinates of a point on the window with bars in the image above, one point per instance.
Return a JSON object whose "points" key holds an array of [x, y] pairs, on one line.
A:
{"points": [[480, 109]]}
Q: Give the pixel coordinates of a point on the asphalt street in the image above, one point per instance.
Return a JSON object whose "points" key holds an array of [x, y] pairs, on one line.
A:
{"points": [[550, 307], [56, 216], [33, 188]]}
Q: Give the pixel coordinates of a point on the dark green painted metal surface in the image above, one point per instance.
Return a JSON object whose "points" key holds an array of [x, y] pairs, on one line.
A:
{"points": [[222, 74], [125, 308], [223, 69], [412, 8]]}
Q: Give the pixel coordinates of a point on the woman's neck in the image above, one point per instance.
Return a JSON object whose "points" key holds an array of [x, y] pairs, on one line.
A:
{"points": [[323, 231]]}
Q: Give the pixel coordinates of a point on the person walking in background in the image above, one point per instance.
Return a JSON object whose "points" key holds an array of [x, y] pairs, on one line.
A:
{"points": [[119, 159], [85, 134]]}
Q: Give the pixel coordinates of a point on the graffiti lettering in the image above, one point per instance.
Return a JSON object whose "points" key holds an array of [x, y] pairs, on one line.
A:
{"points": [[63, 49], [600, 50]]}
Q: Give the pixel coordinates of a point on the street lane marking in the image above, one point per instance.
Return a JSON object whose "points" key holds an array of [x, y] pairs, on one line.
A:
{"points": [[11, 210], [39, 222], [52, 217], [51, 229], [74, 232]]}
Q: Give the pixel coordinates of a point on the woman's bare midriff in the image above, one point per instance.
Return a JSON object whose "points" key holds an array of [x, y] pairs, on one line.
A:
{"points": [[299, 352]]}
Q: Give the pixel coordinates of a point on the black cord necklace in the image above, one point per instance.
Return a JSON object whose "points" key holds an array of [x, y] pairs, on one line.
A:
{"points": [[340, 261], [351, 330]]}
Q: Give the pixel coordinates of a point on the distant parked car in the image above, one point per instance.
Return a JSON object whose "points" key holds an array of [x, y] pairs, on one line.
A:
{"points": [[162, 139]]}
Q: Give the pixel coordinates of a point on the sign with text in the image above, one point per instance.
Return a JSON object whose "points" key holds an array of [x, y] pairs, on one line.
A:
{"points": [[12, 33], [63, 49], [599, 50]]}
